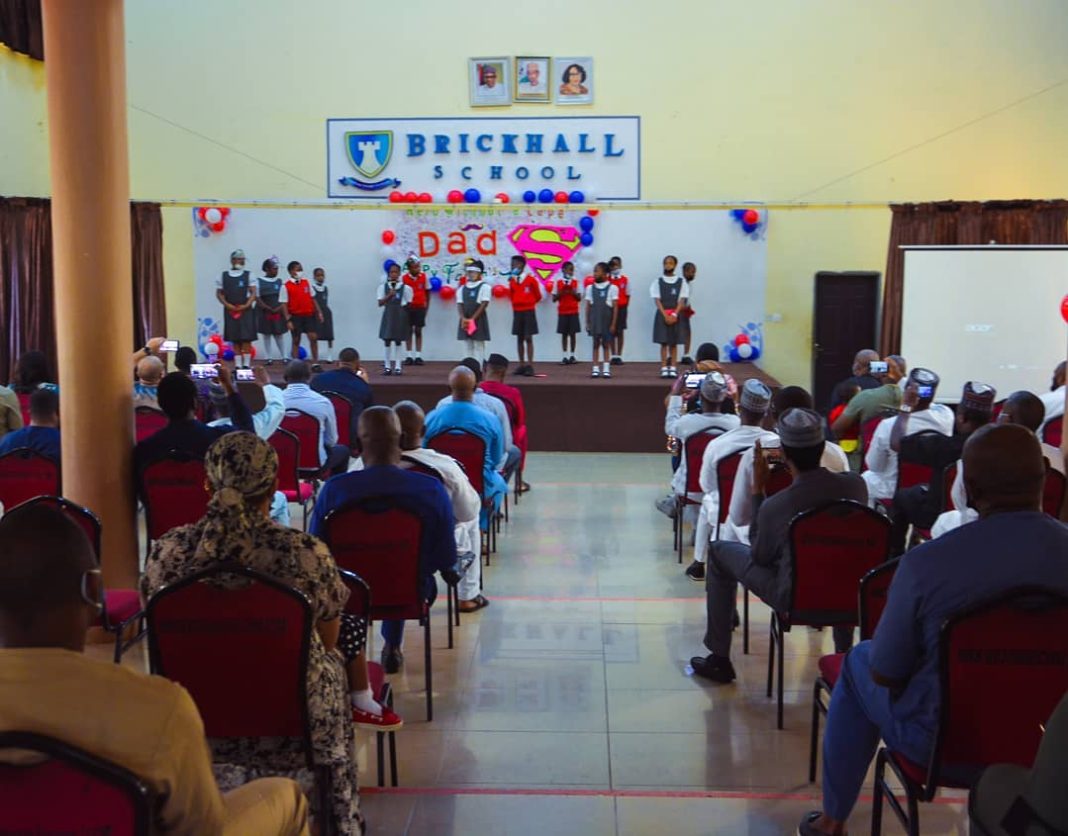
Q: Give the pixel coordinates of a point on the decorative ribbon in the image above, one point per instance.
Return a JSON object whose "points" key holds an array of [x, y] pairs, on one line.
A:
{"points": [[389, 182]]}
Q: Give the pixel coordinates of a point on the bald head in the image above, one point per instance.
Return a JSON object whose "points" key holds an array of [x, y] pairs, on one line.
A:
{"points": [[412, 424], [862, 362], [150, 370], [1025, 409], [1059, 375], [1003, 469], [379, 432], [462, 382]]}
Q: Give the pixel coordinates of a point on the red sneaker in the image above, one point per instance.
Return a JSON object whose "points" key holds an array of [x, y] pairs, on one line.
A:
{"points": [[387, 721]]}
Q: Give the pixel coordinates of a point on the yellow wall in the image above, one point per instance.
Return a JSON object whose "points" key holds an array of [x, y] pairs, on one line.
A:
{"points": [[821, 101]]}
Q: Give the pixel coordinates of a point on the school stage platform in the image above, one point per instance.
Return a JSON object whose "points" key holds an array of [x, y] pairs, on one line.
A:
{"points": [[567, 410]]}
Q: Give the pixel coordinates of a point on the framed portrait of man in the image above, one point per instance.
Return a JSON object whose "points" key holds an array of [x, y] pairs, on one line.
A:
{"points": [[532, 79], [573, 80], [490, 81]]}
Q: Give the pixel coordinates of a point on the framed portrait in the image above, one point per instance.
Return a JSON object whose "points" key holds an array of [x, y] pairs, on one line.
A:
{"points": [[532, 79], [573, 80], [490, 81]]}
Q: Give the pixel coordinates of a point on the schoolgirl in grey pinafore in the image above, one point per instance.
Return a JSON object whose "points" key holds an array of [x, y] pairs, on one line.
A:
{"points": [[325, 329], [240, 329], [267, 292], [469, 300], [664, 334], [394, 327], [600, 312]]}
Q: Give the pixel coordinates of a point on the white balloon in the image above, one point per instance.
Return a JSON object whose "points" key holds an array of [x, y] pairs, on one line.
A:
{"points": [[211, 349], [745, 351], [389, 251], [213, 216]]}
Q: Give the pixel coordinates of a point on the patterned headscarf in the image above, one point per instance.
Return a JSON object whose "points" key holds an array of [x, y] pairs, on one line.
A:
{"points": [[239, 466]]}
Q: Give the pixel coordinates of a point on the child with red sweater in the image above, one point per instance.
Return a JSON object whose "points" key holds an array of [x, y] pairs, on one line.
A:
{"points": [[415, 278], [525, 293], [567, 295]]}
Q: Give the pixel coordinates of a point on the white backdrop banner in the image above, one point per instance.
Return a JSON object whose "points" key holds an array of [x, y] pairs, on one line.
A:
{"points": [[727, 294], [597, 155]]}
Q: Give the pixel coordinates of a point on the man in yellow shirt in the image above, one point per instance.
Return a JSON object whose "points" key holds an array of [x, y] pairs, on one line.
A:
{"points": [[49, 593]]}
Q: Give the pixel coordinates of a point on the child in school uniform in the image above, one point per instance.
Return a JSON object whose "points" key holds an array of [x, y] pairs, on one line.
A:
{"points": [[415, 278], [617, 277], [601, 317], [567, 295], [394, 296], [525, 294], [689, 273], [670, 293], [472, 298], [325, 333]]}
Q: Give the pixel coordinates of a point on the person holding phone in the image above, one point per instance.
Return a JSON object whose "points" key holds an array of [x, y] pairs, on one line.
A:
{"points": [[394, 296], [872, 402], [235, 291]]}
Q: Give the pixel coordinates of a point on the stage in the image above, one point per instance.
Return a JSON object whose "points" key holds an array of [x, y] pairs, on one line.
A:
{"points": [[567, 410]]}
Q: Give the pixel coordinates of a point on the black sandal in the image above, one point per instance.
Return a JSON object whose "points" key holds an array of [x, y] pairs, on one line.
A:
{"points": [[480, 602]]}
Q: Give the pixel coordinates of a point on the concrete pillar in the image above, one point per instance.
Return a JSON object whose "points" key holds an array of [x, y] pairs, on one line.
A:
{"points": [[85, 71]]}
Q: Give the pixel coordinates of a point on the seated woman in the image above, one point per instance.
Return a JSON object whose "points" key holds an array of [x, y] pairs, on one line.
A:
{"points": [[242, 472]]}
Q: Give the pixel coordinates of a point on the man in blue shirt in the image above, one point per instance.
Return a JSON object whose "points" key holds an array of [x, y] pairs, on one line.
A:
{"points": [[42, 435], [379, 433], [462, 413], [333, 457], [889, 685], [347, 379]]}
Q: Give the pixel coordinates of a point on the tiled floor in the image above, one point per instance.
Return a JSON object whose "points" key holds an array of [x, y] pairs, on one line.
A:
{"points": [[565, 707]]}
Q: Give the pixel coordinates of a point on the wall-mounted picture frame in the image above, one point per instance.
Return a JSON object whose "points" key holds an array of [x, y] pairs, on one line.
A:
{"points": [[532, 82], [573, 80], [490, 81]]}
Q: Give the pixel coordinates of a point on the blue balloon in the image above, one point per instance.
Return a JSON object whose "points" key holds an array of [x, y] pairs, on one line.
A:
{"points": [[389, 262], [735, 357], [586, 223], [302, 353], [472, 196], [756, 352], [576, 197], [435, 284], [738, 214], [546, 196], [748, 227], [529, 196], [228, 354], [586, 239]]}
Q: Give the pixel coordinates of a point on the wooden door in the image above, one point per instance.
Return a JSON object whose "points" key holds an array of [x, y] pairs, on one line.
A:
{"points": [[843, 323]]}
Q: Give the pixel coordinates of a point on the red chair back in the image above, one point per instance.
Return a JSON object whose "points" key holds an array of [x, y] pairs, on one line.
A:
{"points": [[693, 450], [25, 474], [380, 541], [726, 468], [779, 479], [148, 422], [831, 549], [287, 446], [240, 649], [174, 492], [867, 432], [874, 587], [89, 522], [949, 476], [306, 428], [1002, 670], [24, 407], [467, 448], [1052, 432], [343, 413], [68, 790], [1053, 492]]}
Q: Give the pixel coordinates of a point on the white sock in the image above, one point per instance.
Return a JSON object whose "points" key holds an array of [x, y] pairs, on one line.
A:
{"points": [[365, 702], [470, 346], [418, 355], [480, 351], [388, 355], [605, 366], [410, 354], [397, 362]]}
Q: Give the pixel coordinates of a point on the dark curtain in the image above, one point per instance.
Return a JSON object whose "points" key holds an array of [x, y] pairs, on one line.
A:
{"points": [[951, 222], [20, 27], [27, 312]]}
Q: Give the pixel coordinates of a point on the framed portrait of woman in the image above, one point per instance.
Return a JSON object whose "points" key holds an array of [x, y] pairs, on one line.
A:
{"points": [[490, 81], [532, 80], [573, 80]]}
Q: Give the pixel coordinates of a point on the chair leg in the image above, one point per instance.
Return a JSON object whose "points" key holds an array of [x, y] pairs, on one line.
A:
{"points": [[506, 507], [745, 620], [771, 652], [814, 739], [429, 670], [118, 647], [381, 737], [448, 599], [393, 758], [456, 603], [877, 795], [782, 668]]}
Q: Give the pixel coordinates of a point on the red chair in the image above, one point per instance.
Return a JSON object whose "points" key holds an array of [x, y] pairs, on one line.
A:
{"points": [[287, 446], [874, 587], [69, 790], [1053, 491], [779, 479], [174, 492], [308, 430], [148, 421], [381, 542], [24, 474], [359, 604], [831, 549], [122, 607], [242, 653], [470, 451], [24, 407], [693, 452], [1052, 432], [513, 421], [1001, 674], [726, 470], [867, 433], [343, 413]]}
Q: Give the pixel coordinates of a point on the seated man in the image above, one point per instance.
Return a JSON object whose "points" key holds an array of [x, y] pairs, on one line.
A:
{"points": [[350, 380], [50, 593], [920, 505], [379, 434], [688, 415], [509, 458], [42, 435], [184, 358], [493, 384], [264, 400], [460, 412], [861, 379], [149, 374], [333, 457], [10, 411], [925, 414], [1053, 400], [752, 408], [869, 403], [888, 688], [765, 567]]}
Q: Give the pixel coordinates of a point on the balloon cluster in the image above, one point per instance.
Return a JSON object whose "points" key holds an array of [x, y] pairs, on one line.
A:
{"points": [[212, 219], [473, 195], [749, 219], [549, 196], [742, 347], [1064, 308], [216, 347], [410, 197]]}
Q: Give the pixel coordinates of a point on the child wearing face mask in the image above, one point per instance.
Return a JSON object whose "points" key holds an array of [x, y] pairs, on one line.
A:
{"points": [[301, 311], [670, 293], [567, 296], [525, 294], [472, 298], [619, 279], [602, 312], [394, 296], [689, 273], [325, 329]]}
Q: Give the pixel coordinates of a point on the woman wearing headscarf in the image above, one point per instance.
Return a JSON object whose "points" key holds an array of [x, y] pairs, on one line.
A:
{"points": [[242, 472]]}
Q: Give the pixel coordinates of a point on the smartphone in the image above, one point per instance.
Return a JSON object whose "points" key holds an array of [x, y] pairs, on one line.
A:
{"points": [[924, 391], [203, 371], [771, 449], [245, 374], [693, 380], [879, 367], [169, 346]]}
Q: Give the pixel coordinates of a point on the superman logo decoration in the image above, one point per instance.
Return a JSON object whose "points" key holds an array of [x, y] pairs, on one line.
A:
{"points": [[545, 248]]}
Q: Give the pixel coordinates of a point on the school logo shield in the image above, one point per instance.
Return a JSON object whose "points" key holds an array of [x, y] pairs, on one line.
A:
{"points": [[369, 151]]}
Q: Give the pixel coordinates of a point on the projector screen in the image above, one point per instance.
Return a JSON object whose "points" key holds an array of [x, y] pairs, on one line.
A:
{"points": [[990, 314]]}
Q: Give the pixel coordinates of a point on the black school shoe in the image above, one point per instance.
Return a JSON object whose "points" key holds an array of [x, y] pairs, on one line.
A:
{"points": [[408, 361], [807, 825], [712, 667], [316, 368], [617, 361], [686, 361], [391, 658], [696, 572], [419, 361]]}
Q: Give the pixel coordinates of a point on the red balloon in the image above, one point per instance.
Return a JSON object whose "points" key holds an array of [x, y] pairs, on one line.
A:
{"points": [[252, 353], [388, 236], [561, 197], [593, 213], [500, 291], [411, 197], [751, 216], [447, 292], [1064, 308], [202, 211], [219, 227], [425, 197], [395, 197], [225, 211], [502, 197], [455, 196], [741, 339]]}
